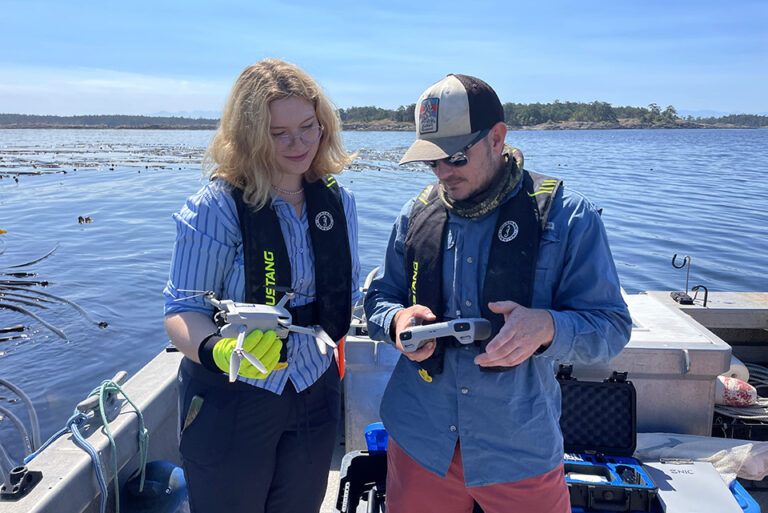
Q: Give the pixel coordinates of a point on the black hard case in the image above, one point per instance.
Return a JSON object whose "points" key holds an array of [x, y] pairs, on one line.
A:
{"points": [[599, 426], [362, 476]]}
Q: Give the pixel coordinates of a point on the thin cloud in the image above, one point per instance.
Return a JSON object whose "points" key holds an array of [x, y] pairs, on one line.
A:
{"points": [[71, 91]]}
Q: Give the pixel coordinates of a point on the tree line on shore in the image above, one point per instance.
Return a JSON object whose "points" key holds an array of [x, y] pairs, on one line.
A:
{"points": [[515, 114], [530, 114]]}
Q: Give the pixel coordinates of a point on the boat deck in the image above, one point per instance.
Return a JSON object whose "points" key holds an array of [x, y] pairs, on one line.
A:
{"points": [[332, 492], [68, 478]]}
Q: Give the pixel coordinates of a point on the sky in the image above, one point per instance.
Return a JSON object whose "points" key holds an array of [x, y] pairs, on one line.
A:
{"points": [[167, 56]]}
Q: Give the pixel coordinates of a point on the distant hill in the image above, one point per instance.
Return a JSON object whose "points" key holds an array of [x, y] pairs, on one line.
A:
{"points": [[104, 121], [194, 114]]}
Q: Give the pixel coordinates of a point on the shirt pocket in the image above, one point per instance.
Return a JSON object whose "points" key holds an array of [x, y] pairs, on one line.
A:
{"points": [[546, 266]]}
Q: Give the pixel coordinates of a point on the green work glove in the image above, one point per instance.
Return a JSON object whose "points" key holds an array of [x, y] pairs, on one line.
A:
{"points": [[264, 346]]}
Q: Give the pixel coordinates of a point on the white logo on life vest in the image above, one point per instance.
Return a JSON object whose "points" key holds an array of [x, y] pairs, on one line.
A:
{"points": [[324, 220], [508, 231]]}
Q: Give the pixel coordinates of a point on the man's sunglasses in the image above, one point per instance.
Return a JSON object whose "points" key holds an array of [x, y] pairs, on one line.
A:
{"points": [[460, 158]]}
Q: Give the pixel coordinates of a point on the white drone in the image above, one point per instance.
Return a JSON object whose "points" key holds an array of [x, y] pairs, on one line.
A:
{"points": [[239, 319]]}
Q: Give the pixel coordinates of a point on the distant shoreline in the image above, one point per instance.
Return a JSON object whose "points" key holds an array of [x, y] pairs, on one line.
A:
{"points": [[536, 116], [102, 127], [385, 126], [622, 124]]}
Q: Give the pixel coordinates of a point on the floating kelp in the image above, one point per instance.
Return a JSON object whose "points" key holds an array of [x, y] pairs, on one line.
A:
{"points": [[36, 260], [17, 294]]}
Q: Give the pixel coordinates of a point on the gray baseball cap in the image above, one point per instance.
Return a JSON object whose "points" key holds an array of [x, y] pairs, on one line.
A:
{"points": [[450, 114]]}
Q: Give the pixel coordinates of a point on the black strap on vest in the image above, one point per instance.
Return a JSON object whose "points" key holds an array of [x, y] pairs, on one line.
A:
{"points": [[511, 267], [268, 267]]}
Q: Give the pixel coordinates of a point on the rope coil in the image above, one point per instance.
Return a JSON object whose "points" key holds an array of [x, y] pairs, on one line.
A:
{"points": [[76, 423]]}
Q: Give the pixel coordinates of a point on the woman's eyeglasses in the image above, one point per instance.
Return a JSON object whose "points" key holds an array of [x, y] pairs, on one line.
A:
{"points": [[460, 158], [308, 136]]}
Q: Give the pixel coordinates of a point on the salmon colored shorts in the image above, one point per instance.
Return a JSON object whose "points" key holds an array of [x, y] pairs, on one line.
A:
{"points": [[413, 489]]}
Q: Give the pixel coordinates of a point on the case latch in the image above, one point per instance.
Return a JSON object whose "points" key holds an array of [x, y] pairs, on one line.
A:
{"points": [[617, 377], [564, 372]]}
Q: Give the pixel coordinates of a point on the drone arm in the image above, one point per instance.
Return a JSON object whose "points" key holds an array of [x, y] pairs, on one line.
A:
{"points": [[301, 329], [213, 301], [322, 339], [283, 300]]}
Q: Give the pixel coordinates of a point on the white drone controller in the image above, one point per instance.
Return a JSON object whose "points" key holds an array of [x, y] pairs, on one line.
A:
{"points": [[242, 318], [465, 331]]}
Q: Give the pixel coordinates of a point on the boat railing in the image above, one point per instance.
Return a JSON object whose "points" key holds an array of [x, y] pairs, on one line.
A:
{"points": [[31, 441]]}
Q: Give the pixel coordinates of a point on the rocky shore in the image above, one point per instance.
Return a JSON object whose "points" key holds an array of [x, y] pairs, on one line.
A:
{"points": [[628, 123], [379, 126]]}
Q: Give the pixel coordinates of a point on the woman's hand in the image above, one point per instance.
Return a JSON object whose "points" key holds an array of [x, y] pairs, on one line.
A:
{"points": [[264, 346]]}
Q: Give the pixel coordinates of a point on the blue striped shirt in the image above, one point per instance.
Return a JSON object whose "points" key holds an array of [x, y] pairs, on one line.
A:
{"points": [[208, 256]]}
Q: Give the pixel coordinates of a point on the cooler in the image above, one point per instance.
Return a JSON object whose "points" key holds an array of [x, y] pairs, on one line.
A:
{"points": [[673, 361]]}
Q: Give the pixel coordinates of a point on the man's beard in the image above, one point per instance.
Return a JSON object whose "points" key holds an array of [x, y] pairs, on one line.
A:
{"points": [[503, 182]]}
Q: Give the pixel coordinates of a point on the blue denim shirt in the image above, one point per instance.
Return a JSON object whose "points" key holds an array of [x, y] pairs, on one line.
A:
{"points": [[507, 422]]}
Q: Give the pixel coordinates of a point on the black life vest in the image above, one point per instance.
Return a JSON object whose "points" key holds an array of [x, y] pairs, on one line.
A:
{"points": [[511, 265], [268, 268]]}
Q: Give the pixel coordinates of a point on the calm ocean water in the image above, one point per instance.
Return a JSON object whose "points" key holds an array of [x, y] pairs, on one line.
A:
{"points": [[692, 192]]}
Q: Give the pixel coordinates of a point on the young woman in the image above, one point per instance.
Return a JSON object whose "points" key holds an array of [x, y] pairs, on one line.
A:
{"points": [[271, 218]]}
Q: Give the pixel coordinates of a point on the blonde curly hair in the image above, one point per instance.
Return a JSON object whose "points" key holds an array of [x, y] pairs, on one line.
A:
{"points": [[242, 152]]}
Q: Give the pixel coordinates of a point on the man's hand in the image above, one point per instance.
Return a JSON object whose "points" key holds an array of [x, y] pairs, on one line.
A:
{"points": [[413, 316], [525, 330]]}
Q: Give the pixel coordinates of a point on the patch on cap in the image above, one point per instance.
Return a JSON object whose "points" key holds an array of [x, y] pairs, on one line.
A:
{"points": [[428, 115]]}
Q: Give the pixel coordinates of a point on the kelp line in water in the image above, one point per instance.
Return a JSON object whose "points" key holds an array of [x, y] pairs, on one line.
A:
{"points": [[20, 294]]}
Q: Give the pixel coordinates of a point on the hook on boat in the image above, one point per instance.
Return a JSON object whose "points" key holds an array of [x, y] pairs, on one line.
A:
{"points": [[696, 289], [682, 297]]}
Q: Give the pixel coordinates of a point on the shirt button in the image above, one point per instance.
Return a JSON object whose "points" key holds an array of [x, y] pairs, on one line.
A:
{"points": [[290, 359], [469, 260], [464, 390], [453, 428], [468, 302]]}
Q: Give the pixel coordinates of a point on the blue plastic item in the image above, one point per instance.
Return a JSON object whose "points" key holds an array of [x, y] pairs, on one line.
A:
{"points": [[165, 490], [376, 437], [745, 500], [625, 486]]}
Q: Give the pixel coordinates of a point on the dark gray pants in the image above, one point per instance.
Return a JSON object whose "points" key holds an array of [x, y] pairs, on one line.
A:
{"points": [[249, 450]]}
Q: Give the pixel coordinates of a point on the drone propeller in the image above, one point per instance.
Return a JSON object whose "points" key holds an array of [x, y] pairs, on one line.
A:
{"points": [[289, 290], [323, 339], [236, 358], [199, 293], [255, 362]]}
